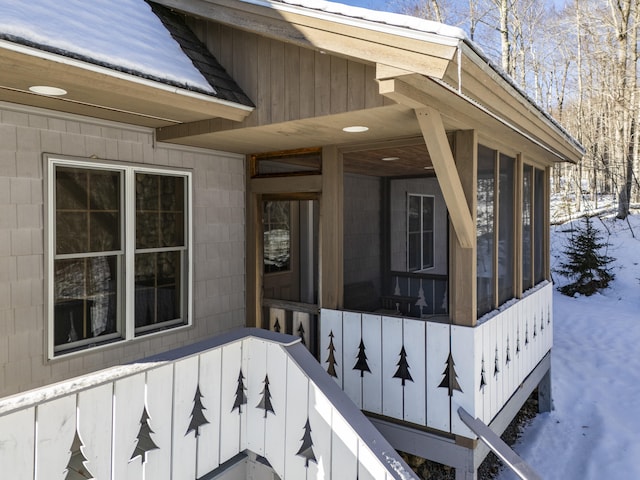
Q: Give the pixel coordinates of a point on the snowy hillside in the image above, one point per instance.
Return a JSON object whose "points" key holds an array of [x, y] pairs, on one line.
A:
{"points": [[594, 430]]}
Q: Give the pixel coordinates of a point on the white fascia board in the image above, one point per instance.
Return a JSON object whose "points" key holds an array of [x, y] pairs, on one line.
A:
{"points": [[404, 26]]}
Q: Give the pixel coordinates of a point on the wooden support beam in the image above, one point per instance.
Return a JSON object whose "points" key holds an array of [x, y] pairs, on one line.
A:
{"points": [[331, 229], [444, 165], [462, 261]]}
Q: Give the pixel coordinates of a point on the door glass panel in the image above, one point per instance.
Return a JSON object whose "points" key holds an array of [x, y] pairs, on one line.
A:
{"points": [[277, 236]]}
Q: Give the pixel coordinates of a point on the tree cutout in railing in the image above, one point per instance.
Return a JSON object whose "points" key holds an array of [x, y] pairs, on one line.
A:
{"points": [[496, 364], [276, 326], [331, 359], [403, 367], [362, 364], [76, 468], [144, 442], [535, 327], [483, 380], [422, 302], [548, 315], [197, 414], [507, 353], [301, 333], [265, 400], [541, 321], [450, 380], [518, 342], [526, 334], [241, 397], [306, 449]]}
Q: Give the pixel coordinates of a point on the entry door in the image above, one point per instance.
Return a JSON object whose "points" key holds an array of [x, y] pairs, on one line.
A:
{"points": [[290, 266]]}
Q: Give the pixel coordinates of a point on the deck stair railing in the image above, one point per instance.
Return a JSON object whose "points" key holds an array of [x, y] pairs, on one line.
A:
{"points": [[182, 414]]}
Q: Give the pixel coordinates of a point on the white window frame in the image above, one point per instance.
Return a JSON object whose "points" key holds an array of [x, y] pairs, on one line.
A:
{"points": [[422, 231], [126, 291]]}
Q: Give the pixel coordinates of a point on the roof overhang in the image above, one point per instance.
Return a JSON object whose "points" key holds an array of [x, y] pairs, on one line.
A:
{"points": [[102, 92], [427, 53], [440, 68]]}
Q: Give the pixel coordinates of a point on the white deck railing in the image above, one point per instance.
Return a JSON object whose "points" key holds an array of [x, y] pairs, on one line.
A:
{"points": [[421, 371], [181, 415]]}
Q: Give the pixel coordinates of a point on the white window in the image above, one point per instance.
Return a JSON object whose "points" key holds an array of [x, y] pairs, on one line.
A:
{"points": [[119, 252], [419, 232]]}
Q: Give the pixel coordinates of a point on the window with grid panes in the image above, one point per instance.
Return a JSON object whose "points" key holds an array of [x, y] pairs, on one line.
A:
{"points": [[419, 232], [104, 221]]}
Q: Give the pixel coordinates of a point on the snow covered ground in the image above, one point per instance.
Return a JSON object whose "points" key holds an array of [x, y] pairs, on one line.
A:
{"points": [[594, 430]]}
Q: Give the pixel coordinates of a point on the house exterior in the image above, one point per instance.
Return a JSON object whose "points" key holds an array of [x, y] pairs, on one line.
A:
{"points": [[365, 185]]}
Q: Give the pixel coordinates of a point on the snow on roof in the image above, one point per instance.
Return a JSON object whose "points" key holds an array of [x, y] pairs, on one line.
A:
{"points": [[388, 18], [117, 33]]}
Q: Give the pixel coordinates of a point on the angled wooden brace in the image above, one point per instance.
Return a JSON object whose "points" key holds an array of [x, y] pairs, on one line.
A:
{"points": [[437, 143]]}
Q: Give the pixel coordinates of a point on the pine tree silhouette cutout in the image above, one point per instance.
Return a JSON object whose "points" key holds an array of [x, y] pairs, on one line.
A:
{"points": [[144, 442], [518, 342], [496, 364], [276, 326], [76, 468], [301, 333], [535, 327], [197, 414], [548, 315], [331, 369], [541, 322], [265, 401], [508, 353], [306, 449], [241, 397], [362, 364], [526, 334], [483, 381], [403, 367], [450, 380]]}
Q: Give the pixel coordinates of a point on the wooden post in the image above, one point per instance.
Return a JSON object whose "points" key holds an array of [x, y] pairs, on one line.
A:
{"points": [[254, 258], [462, 261], [331, 229], [517, 218]]}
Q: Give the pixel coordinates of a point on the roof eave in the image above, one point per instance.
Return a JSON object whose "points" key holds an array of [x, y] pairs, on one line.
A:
{"points": [[208, 105]]}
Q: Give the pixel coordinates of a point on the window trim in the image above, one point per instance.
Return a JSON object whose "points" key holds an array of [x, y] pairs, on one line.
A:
{"points": [[126, 290], [422, 196]]}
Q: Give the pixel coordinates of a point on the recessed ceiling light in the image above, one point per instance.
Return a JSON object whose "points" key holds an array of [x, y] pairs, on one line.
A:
{"points": [[355, 129], [390, 159], [47, 90]]}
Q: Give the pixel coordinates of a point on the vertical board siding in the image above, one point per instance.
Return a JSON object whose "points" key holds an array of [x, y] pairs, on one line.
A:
{"points": [[128, 399], [468, 365], [321, 420], [331, 333], [438, 401], [414, 391], [501, 352], [56, 428], [184, 441], [372, 382], [230, 417], [295, 420], [208, 452], [392, 405], [160, 410], [94, 426], [256, 367], [352, 335], [18, 444], [274, 423]]}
